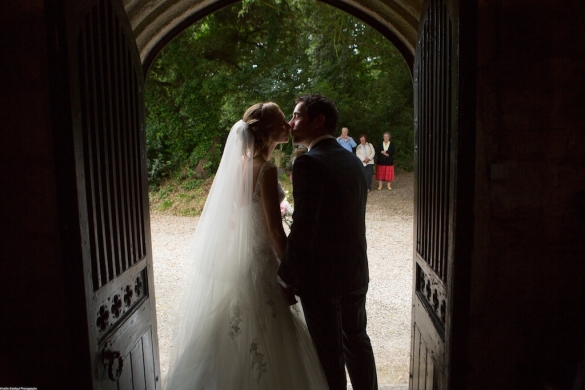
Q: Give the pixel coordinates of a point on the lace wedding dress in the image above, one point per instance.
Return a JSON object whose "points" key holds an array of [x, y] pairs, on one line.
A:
{"points": [[237, 331]]}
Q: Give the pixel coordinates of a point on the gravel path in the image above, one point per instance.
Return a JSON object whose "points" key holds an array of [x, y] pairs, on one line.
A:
{"points": [[389, 223]]}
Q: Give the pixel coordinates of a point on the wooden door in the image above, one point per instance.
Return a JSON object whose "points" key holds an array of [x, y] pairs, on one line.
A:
{"points": [[108, 110], [444, 179]]}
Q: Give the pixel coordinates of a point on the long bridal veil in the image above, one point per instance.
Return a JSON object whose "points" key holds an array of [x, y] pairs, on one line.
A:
{"points": [[218, 258]]}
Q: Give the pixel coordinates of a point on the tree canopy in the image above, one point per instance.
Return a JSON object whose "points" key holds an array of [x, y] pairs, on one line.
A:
{"points": [[271, 50]]}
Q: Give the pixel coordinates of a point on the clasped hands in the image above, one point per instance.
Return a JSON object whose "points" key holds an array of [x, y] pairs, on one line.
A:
{"points": [[290, 291]]}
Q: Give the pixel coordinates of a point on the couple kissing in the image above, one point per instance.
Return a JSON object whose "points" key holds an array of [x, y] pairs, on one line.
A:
{"points": [[239, 325]]}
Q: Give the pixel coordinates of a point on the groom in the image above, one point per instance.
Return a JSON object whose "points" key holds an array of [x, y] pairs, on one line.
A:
{"points": [[325, 260]]}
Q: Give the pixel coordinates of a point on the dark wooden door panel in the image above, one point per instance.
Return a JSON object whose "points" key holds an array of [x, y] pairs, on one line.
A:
{"points": [[111, 165], [137, 363], [125, 381], [422, 377], [437, 179], [433, 139], [119, 299], [111, 123], [133, 342], [427, 363]]}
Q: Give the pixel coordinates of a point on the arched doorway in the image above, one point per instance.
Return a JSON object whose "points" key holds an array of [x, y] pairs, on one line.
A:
{"points": [[370, 107], [441, 221], [154, 25]]}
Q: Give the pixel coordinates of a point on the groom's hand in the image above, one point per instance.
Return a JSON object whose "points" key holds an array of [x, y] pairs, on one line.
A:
{"points": [[289, 294]]}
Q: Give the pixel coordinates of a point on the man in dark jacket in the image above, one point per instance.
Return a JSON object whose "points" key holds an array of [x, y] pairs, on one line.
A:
{"points": [[328, 272]]}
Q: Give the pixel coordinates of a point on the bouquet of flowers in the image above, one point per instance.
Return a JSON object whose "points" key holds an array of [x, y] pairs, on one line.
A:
{"points": [[286, 211]]}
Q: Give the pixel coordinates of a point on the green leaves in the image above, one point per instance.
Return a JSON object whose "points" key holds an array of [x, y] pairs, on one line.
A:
{"points": [[271, 50]]}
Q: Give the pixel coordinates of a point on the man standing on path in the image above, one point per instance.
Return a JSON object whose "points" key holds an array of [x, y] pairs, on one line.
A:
{"points": [[331, 279], [345, 140]]}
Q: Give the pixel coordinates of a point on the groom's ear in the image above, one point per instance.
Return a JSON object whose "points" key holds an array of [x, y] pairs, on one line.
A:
{"points": [[318, 121]]}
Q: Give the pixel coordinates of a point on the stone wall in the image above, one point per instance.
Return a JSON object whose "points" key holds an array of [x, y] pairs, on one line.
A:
{"points": [[527, 324], [42, 317]]}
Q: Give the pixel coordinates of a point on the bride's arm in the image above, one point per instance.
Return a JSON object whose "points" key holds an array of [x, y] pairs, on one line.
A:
{"points": [[271, 205]]}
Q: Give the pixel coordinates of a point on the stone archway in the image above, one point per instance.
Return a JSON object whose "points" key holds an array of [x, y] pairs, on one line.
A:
{"points": [[389, 296], [154, 27], [155, 23]]}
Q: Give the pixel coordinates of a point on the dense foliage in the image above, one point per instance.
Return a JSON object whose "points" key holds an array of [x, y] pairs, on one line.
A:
{"points": [[271, 50]]}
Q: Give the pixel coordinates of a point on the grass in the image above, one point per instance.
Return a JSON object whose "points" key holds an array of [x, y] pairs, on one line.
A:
{"points": [[180, 196], [187, 196]]}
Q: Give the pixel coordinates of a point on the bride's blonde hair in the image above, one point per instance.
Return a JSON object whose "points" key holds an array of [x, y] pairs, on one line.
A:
{"points": [[261, 117]]}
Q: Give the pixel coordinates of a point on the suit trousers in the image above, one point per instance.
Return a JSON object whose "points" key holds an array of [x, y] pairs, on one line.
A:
{"points": [[338, 329]]}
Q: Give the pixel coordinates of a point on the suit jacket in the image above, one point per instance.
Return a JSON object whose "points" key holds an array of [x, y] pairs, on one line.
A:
{"points": [[326, 248]]}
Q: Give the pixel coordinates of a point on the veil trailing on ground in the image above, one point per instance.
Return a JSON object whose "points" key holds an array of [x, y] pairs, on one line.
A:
{"points": [[218, 258]]}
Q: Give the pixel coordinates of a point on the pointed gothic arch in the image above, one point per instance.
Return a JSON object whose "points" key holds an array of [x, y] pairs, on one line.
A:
{"points": [[156, 23], [437, 343]]}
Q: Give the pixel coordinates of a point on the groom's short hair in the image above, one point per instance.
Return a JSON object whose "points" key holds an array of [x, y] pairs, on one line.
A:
{"points": [[318, 104]]}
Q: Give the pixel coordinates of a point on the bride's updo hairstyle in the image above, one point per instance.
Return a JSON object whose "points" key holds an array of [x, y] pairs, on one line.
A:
{"points": [[260, 118]]}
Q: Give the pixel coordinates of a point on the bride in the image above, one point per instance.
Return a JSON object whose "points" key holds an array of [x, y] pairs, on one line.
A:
{"points": [[235, 329]]}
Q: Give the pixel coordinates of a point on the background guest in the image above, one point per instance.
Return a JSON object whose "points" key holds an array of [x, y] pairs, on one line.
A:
{"points": [[385, 162], [366, 152], [345, 140]]}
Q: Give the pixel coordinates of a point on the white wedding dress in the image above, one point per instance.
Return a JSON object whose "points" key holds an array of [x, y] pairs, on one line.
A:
{"points": [[236, 330]]}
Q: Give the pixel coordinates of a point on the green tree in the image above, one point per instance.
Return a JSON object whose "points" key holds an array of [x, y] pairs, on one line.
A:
{"points": [[273, 50]]}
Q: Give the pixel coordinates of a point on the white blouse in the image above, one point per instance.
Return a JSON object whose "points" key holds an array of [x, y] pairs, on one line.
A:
{"points": [[363, 151]]}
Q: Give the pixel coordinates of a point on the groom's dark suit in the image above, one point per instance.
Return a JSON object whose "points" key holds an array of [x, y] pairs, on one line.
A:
{"points": [[326, 258]]}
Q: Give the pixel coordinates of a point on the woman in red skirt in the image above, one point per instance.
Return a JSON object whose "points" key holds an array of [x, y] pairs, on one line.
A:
{"points": [[385, 162]]}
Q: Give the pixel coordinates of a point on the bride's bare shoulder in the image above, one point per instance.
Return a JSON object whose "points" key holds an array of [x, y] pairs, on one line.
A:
{"points": [[257, 164]]}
